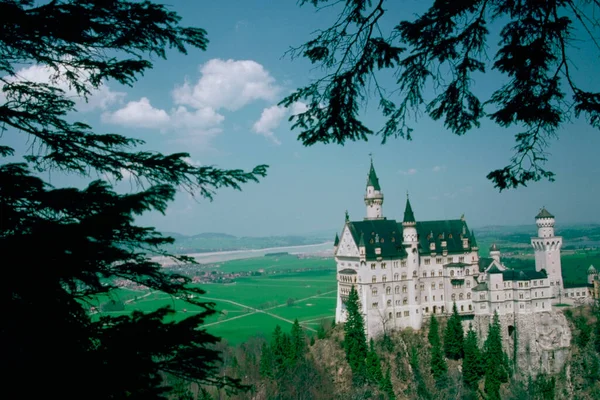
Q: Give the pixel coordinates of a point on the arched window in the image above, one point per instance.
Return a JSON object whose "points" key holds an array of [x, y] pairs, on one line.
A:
{"points": [[389, 303], [433, 286], [403, 275], [374, 279], [467, 272], [388, 290], [414, 274], [426, 309], [461, 296], [468, 283], [432, 274], [405, 301], [470, 307], [424, 274], [451, 273], [396, 277], [469, 296], [374, 291], [397, 290], [404, 289], [453, 296], [462, 308], [384, 278]]}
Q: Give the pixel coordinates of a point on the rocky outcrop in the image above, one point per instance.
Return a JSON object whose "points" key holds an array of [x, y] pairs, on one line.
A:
{"points": [[539, 342]]}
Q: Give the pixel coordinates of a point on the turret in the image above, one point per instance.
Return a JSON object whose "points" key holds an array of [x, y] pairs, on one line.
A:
{"points": [[545, 223], [592, 274], [409, 225], [336, 243], [473, 242], [495, 252], [373, 196]]}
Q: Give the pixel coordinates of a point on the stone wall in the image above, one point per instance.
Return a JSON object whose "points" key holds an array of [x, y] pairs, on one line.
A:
{"points": [[542, 339]]}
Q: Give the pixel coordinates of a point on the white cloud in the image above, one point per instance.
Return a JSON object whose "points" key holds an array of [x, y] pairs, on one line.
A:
{"points": [[138, 114], [202, 118], [410, 171], [269, 120], [439, 168], [99, 98], [192, 162], [229, 84]]}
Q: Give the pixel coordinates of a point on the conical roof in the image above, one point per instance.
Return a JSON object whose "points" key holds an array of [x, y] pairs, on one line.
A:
{"points": [[591, 270], [472, 239], [494, 248], [372, 178], [409, 216], [361, 242], [337, 240], [544, 214]]}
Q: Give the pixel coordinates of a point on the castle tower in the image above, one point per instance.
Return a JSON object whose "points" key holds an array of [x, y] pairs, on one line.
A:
{"points": [[373, 196], [592, 274], [409, 225], [495, 252], [547, 252]]}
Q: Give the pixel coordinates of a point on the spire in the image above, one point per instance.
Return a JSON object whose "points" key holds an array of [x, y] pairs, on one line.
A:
{"points": [[372, 179], [544, 214], [409, 216], [472, 240], [361, 242], [347, 216], [337, 240]]}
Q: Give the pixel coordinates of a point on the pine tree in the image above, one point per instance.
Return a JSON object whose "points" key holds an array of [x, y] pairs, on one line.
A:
{"points": [[433, 335], [355, 342], [439, 368], [277, 348], [85, 239], [471, 366], [374, 375], [597, 327], [496, 367], [386, 385], [298, 342], [266, 362], [454, 336]]}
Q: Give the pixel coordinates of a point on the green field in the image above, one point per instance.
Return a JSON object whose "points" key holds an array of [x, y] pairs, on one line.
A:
{"points": [[254, 305]]}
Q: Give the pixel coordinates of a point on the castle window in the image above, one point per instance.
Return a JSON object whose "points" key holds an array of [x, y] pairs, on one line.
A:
{"points": [[449, 259], [397, 289], [467, 272], [452, 273], [371, 241], [461, 259], [427, 261], [422, 286], [403, 263], [433, 297], [432, 274], [405, 301], [383, 265], [453, 296], [388, 290], [534, 283], [373, 266], [424, 274], [440, 272], [470, 307], [414, 274], [374, 291], [438, 260], [542, 293], [389, 303], [406, 313], [396, 276], [468, 284], [375, 305], [398, 314], [482, 296], [404, 289], [551, 283], [462, 308], [384, 278], [469, 296], [442, 298], [460, 296], [403, 275], [374, 279], [426, 309], [521, 296], [433, 286], [425, 298]]}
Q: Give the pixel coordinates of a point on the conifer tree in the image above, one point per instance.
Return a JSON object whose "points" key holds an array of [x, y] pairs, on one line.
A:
{"points": [[433, 335], [374, 375], [471, 367], [85, 239], [266, 361], [298, 342], [277, 348], [386, 385], [496, 367], [454, 336], [439, 368], [597, 327], [355, 342]]}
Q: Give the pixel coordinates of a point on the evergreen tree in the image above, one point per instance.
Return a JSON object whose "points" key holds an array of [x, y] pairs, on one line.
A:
{"points": [[496, 366], [266, 362], [374, 375], [597, 327], [298, 342], [355, 342], [439, 368], [386, 385], [471, 367], [433, 335], [85, 239], [454, 336]]}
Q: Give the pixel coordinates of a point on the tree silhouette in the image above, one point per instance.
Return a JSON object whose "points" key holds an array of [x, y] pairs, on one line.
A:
{"points": [[355, 341], [454, 336], [69, 245], [445, 48]]}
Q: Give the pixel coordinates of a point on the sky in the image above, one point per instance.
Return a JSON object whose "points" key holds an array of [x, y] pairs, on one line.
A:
{"points": [[220, 106]]}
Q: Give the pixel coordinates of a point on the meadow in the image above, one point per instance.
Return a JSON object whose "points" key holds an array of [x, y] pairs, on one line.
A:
{"points": [[289, 288]]}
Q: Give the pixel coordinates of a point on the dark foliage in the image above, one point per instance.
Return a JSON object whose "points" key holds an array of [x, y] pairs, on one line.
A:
{"points": [[69, 245], [355, 342], [454, 336], [472, 367], [496, 362], [445, 48]]}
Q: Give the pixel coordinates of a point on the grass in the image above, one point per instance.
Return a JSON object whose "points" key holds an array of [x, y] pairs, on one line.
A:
{"points": [[252, 305]]}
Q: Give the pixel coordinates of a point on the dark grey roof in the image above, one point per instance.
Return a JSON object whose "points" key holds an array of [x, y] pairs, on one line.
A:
{"points": [[348, 271]]}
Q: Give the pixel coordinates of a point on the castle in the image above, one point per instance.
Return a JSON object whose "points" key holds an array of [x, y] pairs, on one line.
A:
{"points": [[405, 271]]}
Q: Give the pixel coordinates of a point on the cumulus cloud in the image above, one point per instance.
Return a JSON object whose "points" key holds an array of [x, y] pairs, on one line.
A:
{"points": [[99, 98], [138, 114], [229, 84], [439, 168], [410, 171], [271, 118]]}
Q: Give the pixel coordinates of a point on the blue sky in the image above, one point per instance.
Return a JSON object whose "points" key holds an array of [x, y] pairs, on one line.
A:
{"points": [[220, 106]]}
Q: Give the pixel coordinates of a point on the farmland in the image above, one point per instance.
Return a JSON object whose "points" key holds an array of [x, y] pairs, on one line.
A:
{"points": [[287, 288]]}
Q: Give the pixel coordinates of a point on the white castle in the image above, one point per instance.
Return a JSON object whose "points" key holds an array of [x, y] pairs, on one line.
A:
{"points": [[404, 271]]}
